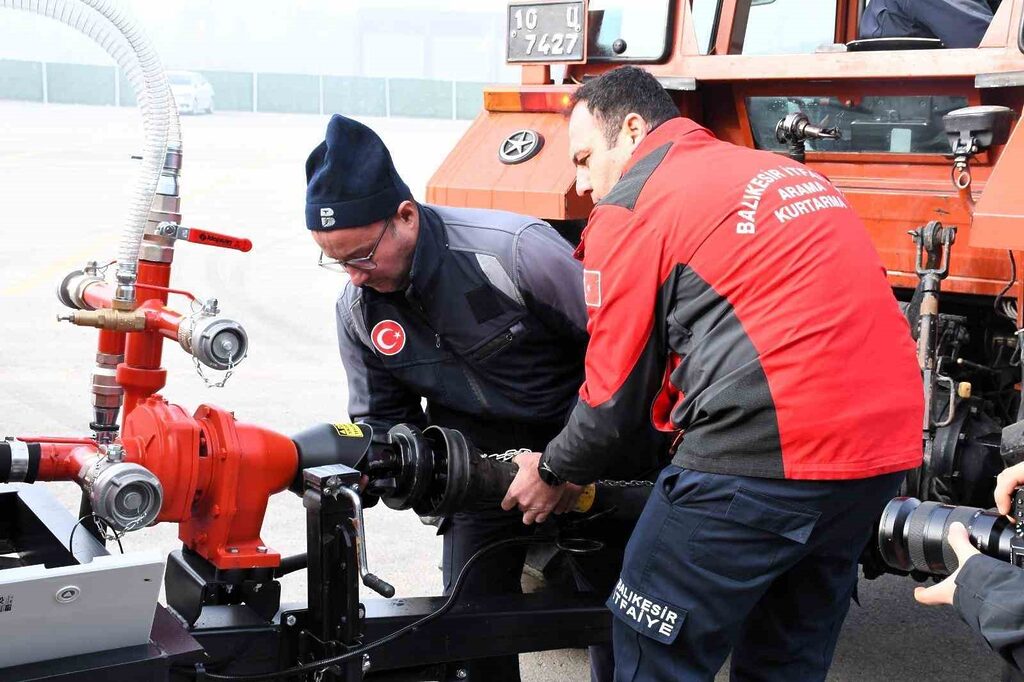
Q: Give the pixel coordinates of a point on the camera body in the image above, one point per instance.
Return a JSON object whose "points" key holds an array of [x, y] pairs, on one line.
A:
{"points": [[1017, 541]]}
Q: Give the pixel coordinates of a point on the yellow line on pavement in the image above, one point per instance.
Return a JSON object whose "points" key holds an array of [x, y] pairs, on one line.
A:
{"points": [[49, 275]]}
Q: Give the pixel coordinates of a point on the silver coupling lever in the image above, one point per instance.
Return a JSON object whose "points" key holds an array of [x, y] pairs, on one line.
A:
{"points": [[378, 585]]}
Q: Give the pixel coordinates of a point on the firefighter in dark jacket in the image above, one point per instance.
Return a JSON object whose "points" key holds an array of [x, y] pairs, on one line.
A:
{"points": [[957, 23], [987, 593], [735, 298], [479, 312]]}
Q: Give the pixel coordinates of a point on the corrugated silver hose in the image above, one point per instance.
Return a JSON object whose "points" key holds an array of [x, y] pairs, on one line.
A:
{"points": [[110, 26]]}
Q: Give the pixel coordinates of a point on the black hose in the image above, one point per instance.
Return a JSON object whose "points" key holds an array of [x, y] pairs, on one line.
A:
{"points": [[11, 453], [334, 660], [290, 564], [1013, 280]]}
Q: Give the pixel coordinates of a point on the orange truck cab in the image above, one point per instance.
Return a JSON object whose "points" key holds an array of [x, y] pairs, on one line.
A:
{"points": [[905, 164]]}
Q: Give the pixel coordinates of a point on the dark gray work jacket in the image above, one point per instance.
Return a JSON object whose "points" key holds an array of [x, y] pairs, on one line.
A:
{"points": [[491, 331], [957, 23]]}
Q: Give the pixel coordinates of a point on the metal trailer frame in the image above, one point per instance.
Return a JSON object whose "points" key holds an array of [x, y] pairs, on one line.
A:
{"points": [[231, 633]]}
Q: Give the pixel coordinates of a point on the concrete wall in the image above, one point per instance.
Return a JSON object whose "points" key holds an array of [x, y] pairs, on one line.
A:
{"points": [[244, 91]]}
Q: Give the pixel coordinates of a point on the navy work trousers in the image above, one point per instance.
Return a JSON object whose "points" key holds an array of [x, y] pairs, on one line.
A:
{"points": [[762, 568]]}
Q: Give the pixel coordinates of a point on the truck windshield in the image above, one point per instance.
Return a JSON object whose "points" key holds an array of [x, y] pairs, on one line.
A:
{"points": [[789, 26], [636, 30]]}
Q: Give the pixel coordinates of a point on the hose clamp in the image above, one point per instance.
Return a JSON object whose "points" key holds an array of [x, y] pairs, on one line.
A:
{"points": [[19, 460]]}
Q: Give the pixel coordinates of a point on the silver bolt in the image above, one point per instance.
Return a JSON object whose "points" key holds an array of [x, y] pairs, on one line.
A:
{"points": [[290, 621], [461, 673], [114, 452], [261, 549], [232, 550]]}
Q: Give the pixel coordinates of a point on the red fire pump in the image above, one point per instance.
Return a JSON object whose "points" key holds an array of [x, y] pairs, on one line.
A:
{"points": [[206, 472]]}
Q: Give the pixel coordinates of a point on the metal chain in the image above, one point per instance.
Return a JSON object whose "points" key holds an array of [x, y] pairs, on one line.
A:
{"points": [[105, 529], [102, 269], [215, 384], [627, 484], [510, 455]]}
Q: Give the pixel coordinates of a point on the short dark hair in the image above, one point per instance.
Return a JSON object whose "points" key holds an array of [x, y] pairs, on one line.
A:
{"points": [[627, 89]]}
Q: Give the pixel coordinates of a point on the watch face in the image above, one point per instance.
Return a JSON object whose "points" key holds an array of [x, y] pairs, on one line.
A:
{"points": [[547, 475]]}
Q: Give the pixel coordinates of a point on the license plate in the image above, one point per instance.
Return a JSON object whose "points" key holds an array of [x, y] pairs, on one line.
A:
{"points": [[546, 32]]}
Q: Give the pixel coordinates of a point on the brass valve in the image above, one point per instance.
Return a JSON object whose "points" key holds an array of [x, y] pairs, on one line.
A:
{"points": [[111, 320]]}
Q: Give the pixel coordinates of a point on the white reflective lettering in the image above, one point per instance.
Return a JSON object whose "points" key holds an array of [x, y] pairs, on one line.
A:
{"points": [[572, 17]]}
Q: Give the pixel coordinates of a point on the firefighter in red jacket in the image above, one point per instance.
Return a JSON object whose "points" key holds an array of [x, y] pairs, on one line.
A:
{"points": [[734, 297]]}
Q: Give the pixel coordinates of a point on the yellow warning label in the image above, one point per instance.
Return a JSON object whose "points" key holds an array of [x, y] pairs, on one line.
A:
{"points": [[586, 499], [348, 430]]}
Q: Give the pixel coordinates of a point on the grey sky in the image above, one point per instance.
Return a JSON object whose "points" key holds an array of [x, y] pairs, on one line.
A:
{"points": [[452, 39]]}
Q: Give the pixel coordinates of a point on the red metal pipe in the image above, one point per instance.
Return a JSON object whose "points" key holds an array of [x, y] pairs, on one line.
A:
{"points": [[163, 321], [140, 374], [111, 343], [99, 295], [57, 439], [63, 461]]}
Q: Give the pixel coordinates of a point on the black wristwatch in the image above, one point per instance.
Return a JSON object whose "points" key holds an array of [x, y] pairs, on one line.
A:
{"points": [[547, 475]]}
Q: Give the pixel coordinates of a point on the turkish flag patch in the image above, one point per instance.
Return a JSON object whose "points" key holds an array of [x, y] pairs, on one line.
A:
{"points": [[388, 337], [592, 288]]}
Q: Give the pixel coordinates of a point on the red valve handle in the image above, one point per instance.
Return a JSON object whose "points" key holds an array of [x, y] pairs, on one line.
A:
{"points": [[197, 236]]}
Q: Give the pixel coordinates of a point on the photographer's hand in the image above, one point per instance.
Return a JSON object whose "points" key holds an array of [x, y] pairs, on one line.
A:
{"points": [[943, 592], [1006, 482]]}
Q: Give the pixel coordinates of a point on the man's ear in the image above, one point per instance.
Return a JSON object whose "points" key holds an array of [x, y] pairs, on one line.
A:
{"points": [[635, 127], [408, 213]]}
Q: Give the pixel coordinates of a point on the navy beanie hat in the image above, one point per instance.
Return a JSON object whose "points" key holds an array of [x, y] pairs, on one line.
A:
{"points": [[350, 179]]}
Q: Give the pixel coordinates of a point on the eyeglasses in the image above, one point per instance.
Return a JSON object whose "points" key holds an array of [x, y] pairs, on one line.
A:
{"points": [[364, 263]]}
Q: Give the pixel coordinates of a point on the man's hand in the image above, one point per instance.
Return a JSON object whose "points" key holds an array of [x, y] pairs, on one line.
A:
{"points": [[1006, 482], [943, 592], [570, 495], [535, 498]]}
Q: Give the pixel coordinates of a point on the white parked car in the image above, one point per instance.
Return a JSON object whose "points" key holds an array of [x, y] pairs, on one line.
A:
{"points": [[192, 93]]}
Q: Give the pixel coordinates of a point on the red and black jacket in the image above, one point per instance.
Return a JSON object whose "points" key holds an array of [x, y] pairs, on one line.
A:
{"points": [[735, 296]]}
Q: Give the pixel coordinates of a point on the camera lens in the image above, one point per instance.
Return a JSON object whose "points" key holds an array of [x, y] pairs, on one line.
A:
{"points": [[912, 534]]}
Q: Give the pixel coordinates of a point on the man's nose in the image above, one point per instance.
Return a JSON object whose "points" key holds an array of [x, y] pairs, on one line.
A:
{"points": [[358, 277], [583, 187]]}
